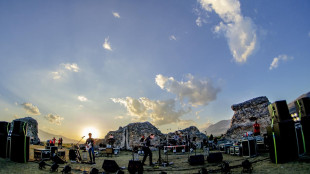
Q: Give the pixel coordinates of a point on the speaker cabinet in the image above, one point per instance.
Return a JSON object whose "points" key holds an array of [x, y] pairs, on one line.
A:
{"points": [[285, 148], [135, 167], [305, 122], [3, 146], [249, 147], [196, 160], [19, 148], [280, 111], [4, 128], [303, 106], [110, 166], [215, 157]]}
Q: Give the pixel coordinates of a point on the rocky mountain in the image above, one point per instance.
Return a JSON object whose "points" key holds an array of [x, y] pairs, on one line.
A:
{"points": [[291, 105], [218, 128], [47, 136], [245, 115]]}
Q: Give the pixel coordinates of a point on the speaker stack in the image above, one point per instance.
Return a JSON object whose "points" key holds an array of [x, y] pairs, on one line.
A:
{"points": [[249, 147], [4, 131], [283, 146], [18, 142], [303, 110]]}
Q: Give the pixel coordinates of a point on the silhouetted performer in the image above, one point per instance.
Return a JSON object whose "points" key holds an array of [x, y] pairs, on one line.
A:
{"points": [[147, 150], [90, 146], [256, 130]]}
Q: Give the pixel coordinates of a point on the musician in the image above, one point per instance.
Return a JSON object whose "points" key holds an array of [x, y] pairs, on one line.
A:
{"points": [[147, 150], [90, 144], [111, 140], [60, 143], [256, 128]]}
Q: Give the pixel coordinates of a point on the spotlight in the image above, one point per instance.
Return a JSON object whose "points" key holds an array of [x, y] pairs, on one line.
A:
{"points": [[94, 171], [54, 167], [203, 171], [42, 165], [247, 166], [225, 167], [67, 169]]}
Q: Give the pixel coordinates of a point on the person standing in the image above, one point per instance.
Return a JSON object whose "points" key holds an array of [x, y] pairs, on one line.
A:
{"points": [[60, 143], [256, 127], [90, 146], [147, 150]]}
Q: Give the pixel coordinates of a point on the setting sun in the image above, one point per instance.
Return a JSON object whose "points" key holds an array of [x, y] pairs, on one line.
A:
{"points": [[94, 131]]}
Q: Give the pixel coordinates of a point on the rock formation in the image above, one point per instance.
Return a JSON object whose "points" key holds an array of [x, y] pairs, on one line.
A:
{"points": [[32, 129], [246, 114]]}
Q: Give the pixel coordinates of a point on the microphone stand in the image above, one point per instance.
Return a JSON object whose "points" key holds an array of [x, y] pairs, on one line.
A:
{"points": [[78, 155]]}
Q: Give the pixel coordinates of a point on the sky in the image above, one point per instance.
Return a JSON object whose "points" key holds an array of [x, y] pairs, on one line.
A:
{"points": [[78, 66]]}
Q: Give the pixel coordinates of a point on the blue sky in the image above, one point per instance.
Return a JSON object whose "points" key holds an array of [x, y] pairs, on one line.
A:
{"points": [[74, 65]]}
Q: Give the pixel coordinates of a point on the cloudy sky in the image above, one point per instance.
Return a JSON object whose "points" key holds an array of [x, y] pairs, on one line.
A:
{"points": [[73, 65]]}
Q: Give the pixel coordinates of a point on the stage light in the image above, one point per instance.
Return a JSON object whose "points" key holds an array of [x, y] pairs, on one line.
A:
{"points": [[203, 171], [247, 166], [54, 167], [67, 169], [94, 171], [225, 168], [42, 165]]}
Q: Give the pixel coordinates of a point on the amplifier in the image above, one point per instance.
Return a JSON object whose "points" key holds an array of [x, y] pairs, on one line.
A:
{"points": [[41, 154]]}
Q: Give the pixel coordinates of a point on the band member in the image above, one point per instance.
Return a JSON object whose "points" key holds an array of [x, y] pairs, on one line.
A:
{"points": [[60, 143], [256, 130], [147, 150], [90, 146]]}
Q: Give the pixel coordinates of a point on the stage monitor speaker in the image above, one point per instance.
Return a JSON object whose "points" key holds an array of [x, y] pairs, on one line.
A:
{"points": [[283, 144], [4, 128], [196, 160], [72, 155], [135, 167], [19, 128], [215, 157], [19, 150], [110, 166], [56, 159], [280, 111], [249, 148], [303, 106], [305, 122]]}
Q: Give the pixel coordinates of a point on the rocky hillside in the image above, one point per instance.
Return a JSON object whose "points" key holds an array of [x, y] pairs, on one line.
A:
{"points": [[245, 115], [218, 128]]}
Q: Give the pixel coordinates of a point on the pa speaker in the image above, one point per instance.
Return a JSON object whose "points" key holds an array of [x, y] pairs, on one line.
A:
{"points": [[4, 128], [196, 160], [135, 167], [305, 122], [3, 146], [72, 155], [215, 157], [303, 106], [110, 166], [19, 128], [279, 110], [19, 149], [282, 142]]}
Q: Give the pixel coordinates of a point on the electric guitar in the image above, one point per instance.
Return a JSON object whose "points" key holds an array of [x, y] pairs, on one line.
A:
{"points": [[88, 146]]}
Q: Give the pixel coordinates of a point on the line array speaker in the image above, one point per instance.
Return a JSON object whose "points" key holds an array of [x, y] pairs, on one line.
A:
{"points": [[279, 110]]}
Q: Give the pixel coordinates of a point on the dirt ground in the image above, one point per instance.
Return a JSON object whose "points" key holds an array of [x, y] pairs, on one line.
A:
{"points": [[260, 164]]}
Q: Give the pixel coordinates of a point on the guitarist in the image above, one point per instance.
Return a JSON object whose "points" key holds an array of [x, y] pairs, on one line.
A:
{"points": [[90, 147], [147, 150]]}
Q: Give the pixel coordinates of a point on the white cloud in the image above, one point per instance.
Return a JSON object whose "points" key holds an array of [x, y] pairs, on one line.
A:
{"points": [[72, 67], [172, 37], [64, 68], [106, 45], [197, 92], [116, 15], [55, 119], [199, 22], [275, 63], [31, 109], [160, 112], [119, 117], [239, 30], [82, 98]]}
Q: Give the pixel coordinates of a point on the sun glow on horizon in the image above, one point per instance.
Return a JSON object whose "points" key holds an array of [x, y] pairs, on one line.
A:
{"points": [[94, 131]]}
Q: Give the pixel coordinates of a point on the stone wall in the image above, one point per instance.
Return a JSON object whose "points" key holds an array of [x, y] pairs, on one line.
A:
{"points": [[245, 115], [32, 129]]}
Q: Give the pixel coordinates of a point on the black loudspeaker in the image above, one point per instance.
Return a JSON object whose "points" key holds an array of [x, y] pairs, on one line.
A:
{"points": [[53, 150], [282, 142], [135, 167], [215, 157], [4, 130], [249, 148], [196, 160], [56, 159], [305, 123], [19, 128], [19, 148], [279, 110], [110, 166], [72, 155], [303, 106]]}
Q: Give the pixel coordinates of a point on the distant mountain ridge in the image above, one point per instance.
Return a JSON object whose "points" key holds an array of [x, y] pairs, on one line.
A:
{"points": [[47, 136], [218, 128]]}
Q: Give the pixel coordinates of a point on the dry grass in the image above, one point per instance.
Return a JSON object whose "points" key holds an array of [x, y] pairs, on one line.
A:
{"points": [[180, 164]]}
